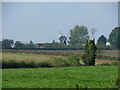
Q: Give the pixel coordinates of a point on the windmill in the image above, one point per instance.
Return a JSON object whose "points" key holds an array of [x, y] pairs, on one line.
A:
{"points": [[63, 39]]}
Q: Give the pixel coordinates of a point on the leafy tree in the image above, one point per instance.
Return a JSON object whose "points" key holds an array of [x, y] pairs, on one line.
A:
{"points": [[101, 42], [55, 45], [114, 38], [7, 43], [18, 44], [78, 36], [90, 53], [30, 45]]}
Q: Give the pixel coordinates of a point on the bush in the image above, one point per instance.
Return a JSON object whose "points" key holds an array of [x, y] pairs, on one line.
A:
{"points": [[90, 53], [73, 60], [114, 63], [69, 61], [58, 62]]}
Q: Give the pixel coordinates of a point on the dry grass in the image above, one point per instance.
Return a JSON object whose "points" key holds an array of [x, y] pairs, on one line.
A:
{"points": [[28, 57], [110, 53]]}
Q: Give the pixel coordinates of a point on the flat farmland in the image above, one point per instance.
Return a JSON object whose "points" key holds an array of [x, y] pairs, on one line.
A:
{"points": [[109, 53], [57, 77]]}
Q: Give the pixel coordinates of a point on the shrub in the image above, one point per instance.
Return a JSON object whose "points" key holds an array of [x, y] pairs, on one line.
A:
{"points": [[69, 61], [58, 62], [114, 63], [90, 53], [73, 60]]}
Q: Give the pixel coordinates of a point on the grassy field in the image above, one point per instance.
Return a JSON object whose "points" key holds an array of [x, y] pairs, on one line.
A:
{"points": [[57, 77], [40, 58], [28, 57], [64, 77]]}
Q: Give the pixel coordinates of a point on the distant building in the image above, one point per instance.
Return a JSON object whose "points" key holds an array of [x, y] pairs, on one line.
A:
{"points": [[40, 45], [108, 44]]}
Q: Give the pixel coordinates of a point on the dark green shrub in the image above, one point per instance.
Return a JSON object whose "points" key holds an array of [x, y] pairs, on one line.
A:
{"points": [[90, 53]]}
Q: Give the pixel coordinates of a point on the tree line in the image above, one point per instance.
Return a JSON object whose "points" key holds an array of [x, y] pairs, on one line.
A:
{"points": [[78, 37]]}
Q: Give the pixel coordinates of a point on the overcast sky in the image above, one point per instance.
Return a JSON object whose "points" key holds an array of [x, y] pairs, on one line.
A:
{"points": [[40, 21]]}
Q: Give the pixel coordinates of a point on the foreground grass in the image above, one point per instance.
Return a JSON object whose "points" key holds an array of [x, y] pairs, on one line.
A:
{"points": [[65, 77]]}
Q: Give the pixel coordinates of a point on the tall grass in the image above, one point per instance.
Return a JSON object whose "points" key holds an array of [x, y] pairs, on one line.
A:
{"points": [[13, 60], [17, 60]]}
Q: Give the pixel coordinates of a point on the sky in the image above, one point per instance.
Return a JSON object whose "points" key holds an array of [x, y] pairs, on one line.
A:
{"points": [[41, 21]]}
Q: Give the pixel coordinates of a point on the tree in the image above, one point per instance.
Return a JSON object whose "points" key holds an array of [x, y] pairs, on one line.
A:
{"points": [[101, 42], [18, 44], [7, 43], [78, 36], [114, 38], [55, 45], [30, 45], [90, 53]]}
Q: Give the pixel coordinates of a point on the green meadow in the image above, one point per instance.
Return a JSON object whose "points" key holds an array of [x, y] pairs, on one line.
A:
{"points": [[61, 77]]}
